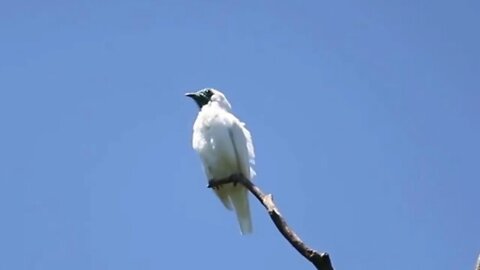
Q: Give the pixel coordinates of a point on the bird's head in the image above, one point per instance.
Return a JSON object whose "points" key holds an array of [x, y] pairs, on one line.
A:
{"points": [[207, 95]]}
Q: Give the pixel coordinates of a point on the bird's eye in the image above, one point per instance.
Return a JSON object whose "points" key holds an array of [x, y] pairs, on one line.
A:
{"points": [[209, 93]]}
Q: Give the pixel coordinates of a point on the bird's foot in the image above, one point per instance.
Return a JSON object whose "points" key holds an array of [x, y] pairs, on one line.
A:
{"points": [[235, 178], [217, 184]]}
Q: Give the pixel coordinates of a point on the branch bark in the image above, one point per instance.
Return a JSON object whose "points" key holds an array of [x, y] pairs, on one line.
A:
{"points": [[321, 261]]}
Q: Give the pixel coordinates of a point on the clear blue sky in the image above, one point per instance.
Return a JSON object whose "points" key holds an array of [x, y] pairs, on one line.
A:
{"points": [[364, 115]]}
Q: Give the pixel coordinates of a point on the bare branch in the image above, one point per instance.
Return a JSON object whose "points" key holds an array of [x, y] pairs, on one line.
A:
{"points": [[320, 260]]}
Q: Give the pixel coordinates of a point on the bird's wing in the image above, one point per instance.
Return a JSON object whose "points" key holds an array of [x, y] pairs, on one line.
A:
{"points": [[251, 150], [243, 148], [242, 142]]}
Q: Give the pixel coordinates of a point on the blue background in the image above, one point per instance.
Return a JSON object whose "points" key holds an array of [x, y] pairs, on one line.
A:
{"points": [[364, 115]]}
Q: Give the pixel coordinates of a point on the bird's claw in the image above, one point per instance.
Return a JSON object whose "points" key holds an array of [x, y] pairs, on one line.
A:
{"points": [[233, 179], [213, 185]]}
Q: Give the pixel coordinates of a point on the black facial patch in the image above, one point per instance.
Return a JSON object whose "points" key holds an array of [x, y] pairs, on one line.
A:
{"points": [[202, 97], [208, 93]]}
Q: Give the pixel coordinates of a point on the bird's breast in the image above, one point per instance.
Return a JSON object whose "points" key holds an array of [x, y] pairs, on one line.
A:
{"points": [[215, 146]]}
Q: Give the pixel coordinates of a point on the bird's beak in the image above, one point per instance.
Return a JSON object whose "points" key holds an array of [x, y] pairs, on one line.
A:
{"points": [[197, 98], [190, 94]]}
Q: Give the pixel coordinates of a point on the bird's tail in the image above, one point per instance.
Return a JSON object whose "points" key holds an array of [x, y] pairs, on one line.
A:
{"points": [[239, 198]]}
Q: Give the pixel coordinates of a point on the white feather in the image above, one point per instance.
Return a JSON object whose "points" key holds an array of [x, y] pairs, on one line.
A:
{"points": [[225, 147]]}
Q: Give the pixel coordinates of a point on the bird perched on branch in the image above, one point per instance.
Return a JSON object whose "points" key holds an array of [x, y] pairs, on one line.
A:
{"points": [[225, 148]]}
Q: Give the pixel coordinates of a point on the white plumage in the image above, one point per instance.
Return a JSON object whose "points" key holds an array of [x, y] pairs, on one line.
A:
{"points": [[225, 148]]}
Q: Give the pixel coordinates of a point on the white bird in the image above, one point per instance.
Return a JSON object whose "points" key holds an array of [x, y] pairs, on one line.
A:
{"points": [[225, 148]]}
